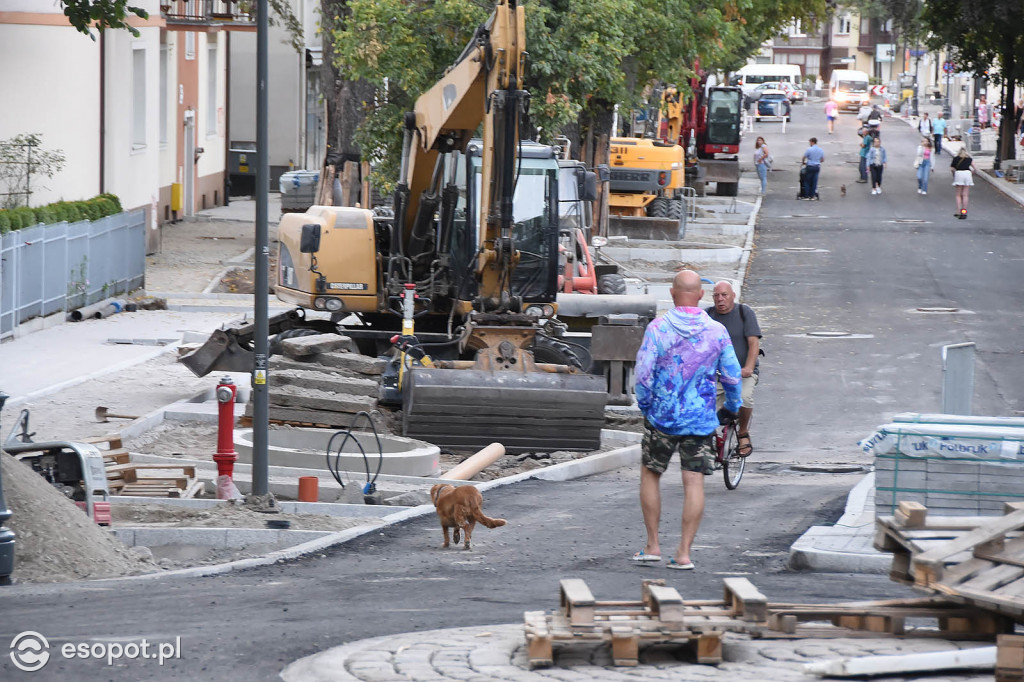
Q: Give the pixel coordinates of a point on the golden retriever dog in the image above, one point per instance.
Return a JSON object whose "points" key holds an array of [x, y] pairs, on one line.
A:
{"points": [[459, 507]]}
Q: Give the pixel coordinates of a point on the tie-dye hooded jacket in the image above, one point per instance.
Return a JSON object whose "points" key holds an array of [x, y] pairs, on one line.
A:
{"points": [[675, 372]]}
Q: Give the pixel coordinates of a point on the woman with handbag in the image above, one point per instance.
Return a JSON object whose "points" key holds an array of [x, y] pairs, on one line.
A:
{"points": [[923, 163], [762, 162]]}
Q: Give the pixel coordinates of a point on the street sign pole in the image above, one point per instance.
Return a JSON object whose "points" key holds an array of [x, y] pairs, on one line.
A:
{"points": [[261, 499]]}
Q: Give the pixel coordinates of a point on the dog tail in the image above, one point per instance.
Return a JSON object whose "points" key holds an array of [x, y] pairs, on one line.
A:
{"points": [[488, 521]]}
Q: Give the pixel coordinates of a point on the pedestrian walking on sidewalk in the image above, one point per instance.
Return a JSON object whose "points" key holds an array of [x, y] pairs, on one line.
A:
{"points": [[682, 354], [813, 158], [865, 145], [762, 162], [876, 162], [923, 163], [938, 132], [924, 126], [962, 168], [983, 112], [831, 110]]}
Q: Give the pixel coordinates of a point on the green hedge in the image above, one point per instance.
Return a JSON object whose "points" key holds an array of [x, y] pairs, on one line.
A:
{"points": [[61, 211]]}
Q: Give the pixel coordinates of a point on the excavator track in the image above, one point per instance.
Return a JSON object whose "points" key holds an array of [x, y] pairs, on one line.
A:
{"points": [[463, 409]]}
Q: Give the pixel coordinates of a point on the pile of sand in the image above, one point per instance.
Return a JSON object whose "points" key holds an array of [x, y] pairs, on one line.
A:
{"points": [[55, 541]]}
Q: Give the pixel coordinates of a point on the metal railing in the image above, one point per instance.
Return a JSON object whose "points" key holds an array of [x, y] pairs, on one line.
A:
{"points": [[207, 11], [61, 267]]}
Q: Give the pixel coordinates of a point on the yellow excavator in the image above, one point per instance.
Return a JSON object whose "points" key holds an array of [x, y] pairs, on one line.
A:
{"points": [[470, 256]]}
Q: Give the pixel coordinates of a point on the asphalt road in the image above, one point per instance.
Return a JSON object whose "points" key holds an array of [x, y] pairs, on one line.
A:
{"points": [[817, 397]]}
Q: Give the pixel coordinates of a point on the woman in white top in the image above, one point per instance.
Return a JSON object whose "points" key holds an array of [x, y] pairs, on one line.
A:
{"points": [[762, 162]]}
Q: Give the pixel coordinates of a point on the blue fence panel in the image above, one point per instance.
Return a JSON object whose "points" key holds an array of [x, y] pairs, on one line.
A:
{"points": [[55, 255], [77, 269], [50, 268], [29, 286]]}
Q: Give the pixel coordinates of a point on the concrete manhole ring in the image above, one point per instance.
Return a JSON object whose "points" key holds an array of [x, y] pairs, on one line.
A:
{"points": [[829, 334], [936, 309]]}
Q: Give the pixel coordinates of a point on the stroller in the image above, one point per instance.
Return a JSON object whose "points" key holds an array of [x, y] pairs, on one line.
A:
{"points": [[803, 182]]}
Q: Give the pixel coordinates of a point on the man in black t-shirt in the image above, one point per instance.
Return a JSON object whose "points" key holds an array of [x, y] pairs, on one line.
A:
{"points": [[741, 323]]}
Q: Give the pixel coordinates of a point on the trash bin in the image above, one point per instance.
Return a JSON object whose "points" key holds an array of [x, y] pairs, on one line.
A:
{"points": [[298, 190], [242, 162], [974, 139]]}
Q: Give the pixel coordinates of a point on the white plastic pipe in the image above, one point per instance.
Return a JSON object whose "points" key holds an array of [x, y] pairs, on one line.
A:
{"points": [[476, 463]]}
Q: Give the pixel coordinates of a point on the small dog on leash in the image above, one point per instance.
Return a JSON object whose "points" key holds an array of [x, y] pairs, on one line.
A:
{"points": [[460, 507], [842, 190]]}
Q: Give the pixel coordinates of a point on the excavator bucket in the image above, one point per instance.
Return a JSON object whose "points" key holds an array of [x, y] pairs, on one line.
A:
{"points": [[466, 409]]}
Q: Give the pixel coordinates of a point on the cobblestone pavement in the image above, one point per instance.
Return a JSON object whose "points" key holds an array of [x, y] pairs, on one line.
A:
{"points": [[479, 654]]}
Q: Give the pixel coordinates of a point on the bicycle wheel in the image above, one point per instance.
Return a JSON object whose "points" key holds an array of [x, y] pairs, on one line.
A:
{"points": [[732, 464]]}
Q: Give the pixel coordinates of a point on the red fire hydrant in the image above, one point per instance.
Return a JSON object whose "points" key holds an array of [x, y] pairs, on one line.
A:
{"points": [[226, 455]]}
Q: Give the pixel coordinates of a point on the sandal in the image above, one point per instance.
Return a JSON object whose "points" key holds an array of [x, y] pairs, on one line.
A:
{"points": [[744, 450]]}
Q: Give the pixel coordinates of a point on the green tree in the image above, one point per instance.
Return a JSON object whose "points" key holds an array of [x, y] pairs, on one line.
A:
{"points": [[586, 57], [985, 37], [22, 159]]}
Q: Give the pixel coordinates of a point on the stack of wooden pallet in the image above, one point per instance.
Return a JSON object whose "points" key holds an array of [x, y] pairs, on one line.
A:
{"points": [[976, 560], [127, 478], [660, 615]]}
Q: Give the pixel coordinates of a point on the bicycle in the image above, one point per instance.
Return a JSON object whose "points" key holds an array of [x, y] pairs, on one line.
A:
{"points": [[727, 457]]}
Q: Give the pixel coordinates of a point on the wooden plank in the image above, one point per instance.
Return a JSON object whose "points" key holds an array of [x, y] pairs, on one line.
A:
{"points": [[992, 578], [746, 600], [911, 515], [113, 440], [667, 605], [186, 469], [577, 601], [709, 648], [928, 567], [625, 646]]}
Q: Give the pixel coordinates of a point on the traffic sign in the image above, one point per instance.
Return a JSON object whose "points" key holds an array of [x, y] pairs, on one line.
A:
{"points": [[948, 67]]}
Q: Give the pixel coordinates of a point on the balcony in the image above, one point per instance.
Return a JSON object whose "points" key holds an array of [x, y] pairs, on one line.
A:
{"points": [[194, 13]]}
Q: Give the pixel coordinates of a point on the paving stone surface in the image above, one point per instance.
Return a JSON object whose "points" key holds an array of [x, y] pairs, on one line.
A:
{"points": [[498, 653]]}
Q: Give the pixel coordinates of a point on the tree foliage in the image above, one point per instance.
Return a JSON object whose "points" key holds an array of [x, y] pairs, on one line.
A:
{"points": [[22, 162], [83, 14], [586, 55]]}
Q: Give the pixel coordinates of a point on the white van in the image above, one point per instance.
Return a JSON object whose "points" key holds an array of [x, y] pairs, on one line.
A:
{"points": [[752, 75], [850, 89]]}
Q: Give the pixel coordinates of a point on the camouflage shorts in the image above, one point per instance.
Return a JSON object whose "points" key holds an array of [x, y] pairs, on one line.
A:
{"points": [[696, 453]]}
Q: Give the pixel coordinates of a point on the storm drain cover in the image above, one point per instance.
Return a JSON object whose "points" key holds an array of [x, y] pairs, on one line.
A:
{"points": [[938, 310], [831, 335], [908, 220]]}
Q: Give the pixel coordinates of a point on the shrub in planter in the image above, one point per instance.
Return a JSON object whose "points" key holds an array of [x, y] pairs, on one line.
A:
{"points": [[46, 215], [115, 200], [5, 222], [28, 216]]}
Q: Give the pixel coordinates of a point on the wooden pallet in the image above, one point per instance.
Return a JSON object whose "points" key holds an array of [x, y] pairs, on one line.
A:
{"points": [[123, 476], [972, 560], [660, 615]]}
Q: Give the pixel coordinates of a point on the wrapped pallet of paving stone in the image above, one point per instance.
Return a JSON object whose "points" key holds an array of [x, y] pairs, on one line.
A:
{"points": [[954, 469]]}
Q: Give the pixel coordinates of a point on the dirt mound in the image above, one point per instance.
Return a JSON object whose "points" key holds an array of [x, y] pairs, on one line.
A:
{"points": [[55, 541]]}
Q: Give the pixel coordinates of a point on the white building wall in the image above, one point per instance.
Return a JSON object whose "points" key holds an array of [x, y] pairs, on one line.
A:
{"points": [[132, 171], [213, 159], [174, 42], [50, 81]]}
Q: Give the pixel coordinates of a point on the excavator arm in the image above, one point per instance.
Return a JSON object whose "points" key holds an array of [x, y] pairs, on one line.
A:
{"points": [[483, 86]]}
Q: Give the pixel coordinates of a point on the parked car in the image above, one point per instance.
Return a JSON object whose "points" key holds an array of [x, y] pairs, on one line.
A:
{"points": [[793, 93], [773, 103]]}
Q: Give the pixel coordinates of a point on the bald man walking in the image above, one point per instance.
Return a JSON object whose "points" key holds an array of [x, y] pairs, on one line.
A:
{"points": [[676, 368]]}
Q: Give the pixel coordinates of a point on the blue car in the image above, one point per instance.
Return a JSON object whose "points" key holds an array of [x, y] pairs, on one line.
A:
{"points": [[773, 103]]}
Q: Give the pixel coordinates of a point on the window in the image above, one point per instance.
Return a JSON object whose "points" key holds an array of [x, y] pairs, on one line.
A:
{"points": [[190, 45], [794, 29], [138, 97], [843, 24], [813, 64], [211, 89], [164, 56]]}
